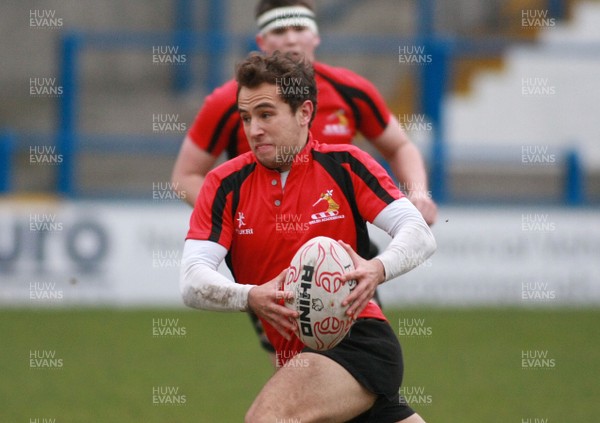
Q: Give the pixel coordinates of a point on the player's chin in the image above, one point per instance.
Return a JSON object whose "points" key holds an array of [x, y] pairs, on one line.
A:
{"points": [[271, 162]]}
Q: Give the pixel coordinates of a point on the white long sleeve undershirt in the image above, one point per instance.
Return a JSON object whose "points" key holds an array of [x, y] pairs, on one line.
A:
{"points": [[202, 286], [412, 241]]}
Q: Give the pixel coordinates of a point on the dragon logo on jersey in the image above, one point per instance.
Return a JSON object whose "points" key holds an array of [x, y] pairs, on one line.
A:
{"points": [[337, 124], [332, 212]]}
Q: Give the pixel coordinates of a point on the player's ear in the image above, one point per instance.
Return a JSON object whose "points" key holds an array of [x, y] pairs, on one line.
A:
{"points": [[317, 41], [260, 42], [305, 112]]}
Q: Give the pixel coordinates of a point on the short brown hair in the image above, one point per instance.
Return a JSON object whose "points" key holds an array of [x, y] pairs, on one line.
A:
{"points": [[266, 5], [294, 78]]}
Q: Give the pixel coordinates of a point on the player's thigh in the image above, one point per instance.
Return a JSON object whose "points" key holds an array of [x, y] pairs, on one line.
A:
{"points": [[311, 388]]}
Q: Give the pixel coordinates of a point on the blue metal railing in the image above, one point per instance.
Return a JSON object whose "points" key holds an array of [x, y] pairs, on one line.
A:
{"points": [[7, 148]]}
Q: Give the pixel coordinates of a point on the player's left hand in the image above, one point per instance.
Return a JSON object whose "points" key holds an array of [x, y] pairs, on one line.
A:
{"points": [[425, 204], [368, 275]]}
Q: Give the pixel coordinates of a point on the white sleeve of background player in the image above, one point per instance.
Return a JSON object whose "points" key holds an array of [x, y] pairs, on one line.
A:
{"points": [[412, 241], [200, 283]]}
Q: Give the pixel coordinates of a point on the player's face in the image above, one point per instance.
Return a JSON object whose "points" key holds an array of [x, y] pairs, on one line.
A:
{"points": [[274, 132], [297, 40]]}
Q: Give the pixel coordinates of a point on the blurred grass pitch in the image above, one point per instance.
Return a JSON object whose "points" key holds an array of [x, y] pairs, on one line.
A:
{"points": [[185, 366]]}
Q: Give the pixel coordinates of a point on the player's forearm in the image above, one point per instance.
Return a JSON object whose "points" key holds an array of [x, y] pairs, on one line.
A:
{"points": [[409, 169], [412, 240], [187, 186], [202, 286]]}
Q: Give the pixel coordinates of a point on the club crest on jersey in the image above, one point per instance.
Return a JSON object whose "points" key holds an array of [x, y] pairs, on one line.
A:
{"points": [[241, 222], [337, 124], [332, 212]]}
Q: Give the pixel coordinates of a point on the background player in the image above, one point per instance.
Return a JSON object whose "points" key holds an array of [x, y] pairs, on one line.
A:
{"points": [[360, 378], [348, 104]]}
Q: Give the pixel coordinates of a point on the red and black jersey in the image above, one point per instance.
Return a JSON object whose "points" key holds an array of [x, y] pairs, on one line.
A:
{"points": [[346, 104], [331, 190]]}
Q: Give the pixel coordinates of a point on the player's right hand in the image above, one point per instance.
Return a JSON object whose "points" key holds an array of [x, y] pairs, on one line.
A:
{"points": [[425, 204], [266, 301]]}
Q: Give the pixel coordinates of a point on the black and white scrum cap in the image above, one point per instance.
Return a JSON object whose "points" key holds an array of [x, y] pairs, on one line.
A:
{"points": [[289, 16]]}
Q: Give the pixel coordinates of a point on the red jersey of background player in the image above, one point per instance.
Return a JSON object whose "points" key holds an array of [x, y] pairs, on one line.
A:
{"points": [[331, 190], [347, 103]]}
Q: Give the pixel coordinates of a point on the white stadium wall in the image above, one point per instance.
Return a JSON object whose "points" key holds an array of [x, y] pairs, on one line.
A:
{"points": [[128, 254], [546, 95]]}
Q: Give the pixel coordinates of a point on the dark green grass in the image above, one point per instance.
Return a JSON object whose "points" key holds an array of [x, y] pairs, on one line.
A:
{"points": [[467, 364]]}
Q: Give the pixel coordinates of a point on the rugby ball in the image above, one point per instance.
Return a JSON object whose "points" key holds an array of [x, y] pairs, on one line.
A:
{"points": [[315, 279]]}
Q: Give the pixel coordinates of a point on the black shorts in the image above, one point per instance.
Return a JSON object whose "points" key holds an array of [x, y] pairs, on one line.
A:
{"points": [[371, 353]]}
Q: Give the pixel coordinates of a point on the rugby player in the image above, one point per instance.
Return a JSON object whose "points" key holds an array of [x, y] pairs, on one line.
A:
{"points": [[284, 173], [348, 104]]}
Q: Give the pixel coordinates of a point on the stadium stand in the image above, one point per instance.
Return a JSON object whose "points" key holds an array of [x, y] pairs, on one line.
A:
{"points": [[542, 99], [121, 91]]}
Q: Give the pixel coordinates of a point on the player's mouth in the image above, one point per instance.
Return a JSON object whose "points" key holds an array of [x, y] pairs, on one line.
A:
{"points": [[294, 53], [263, 148]]}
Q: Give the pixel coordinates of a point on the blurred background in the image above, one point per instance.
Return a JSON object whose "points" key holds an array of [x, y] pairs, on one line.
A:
{"points": [[501, 98]]}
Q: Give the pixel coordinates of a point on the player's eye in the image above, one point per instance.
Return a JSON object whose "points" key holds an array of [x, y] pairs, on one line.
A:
{"points": [[265, 115], [245, 119], [279, 31], [299, 28]]}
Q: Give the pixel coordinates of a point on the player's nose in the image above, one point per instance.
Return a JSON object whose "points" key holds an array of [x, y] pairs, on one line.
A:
{"points": [[256, 128], [290, 37]]}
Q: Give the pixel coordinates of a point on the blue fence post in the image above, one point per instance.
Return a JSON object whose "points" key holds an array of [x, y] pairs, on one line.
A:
{"points": [[7, 146], [184, 25], [434, 76], [217, 44], [66, 134], [574, 194], [557, 9], [426, 21]]}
